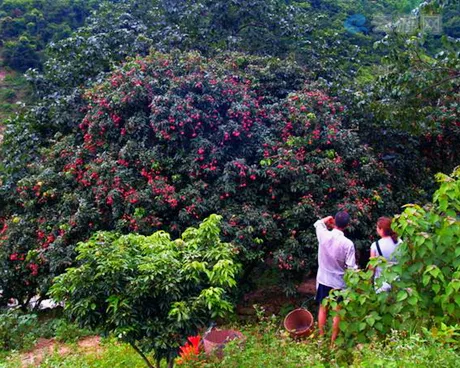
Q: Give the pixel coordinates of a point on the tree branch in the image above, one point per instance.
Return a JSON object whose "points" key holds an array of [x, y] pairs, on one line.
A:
{"points": [[439, 83]]}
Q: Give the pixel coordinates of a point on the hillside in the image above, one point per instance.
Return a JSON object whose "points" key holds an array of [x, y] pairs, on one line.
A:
{"points": [[14, 92]]}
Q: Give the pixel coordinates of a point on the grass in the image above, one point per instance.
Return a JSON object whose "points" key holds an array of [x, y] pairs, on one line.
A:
{"points": [[113, 355], [413, 351], [266, 345]]}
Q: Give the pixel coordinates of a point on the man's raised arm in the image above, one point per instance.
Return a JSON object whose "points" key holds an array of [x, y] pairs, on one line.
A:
{"points": [[321, 228]]}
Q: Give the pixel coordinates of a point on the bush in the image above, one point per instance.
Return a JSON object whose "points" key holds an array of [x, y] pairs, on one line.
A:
{"points": [[425, 281], [20, 55], [429, 262], [40, 21], [17, 330], [151, 292], [66, 331], [7, 95]]}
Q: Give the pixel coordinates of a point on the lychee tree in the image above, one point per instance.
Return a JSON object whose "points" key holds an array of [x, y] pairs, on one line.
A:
{"points": [[167, 140]]}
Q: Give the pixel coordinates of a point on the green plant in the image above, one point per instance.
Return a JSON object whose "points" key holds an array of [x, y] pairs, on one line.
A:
{"points": [[272, 347], [17, 330], [400, 350], [39, 21], [65, 331], [151, 292], [364, 313], [266, 345], [109, 353], [429, 261], [7, 95], [446, 334], [425, 281]]}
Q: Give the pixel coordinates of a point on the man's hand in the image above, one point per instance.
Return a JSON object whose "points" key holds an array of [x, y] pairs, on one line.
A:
{"points": [[329, 221]]}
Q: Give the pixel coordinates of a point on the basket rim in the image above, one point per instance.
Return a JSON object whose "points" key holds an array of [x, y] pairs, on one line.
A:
{"points": [[238, 334], [312, 323]]}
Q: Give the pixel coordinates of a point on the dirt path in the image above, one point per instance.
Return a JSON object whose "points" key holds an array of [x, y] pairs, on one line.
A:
{"points": [[273, 299], [46, 347]]}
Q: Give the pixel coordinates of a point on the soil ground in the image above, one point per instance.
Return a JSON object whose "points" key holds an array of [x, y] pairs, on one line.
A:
{"points": [[274, 301], [46, 347]]}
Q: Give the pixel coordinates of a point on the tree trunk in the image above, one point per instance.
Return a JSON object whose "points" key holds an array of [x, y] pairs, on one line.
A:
{"points": [[25, 304], [146, 360], [38, 303]]}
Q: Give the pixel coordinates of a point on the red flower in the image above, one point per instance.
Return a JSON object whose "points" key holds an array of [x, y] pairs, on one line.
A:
{"points": [[189, 352], [195, 341]]}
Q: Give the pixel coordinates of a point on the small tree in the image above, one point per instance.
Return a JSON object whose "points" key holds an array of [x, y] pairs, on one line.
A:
{"points": [[150, 291], [425, 281], [429, 262]]}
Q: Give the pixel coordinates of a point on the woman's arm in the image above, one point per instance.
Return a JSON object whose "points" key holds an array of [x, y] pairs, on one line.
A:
{"points": [[373, 255]]}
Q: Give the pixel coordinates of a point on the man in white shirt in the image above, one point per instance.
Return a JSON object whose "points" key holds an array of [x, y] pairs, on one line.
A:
{"points": [[336, 253]]}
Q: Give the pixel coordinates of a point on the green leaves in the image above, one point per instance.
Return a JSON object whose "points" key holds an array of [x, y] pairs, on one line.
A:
{"points": [[34, 25], [167, 139], [425, 280], [402, 295], [151, 287], [430, 262]]}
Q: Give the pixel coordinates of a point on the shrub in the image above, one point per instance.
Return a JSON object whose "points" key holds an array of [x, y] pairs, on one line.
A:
{"points": [[7, 95], [67, 331], [429, 261], [16, 330], [151, 292], [425, 281]]}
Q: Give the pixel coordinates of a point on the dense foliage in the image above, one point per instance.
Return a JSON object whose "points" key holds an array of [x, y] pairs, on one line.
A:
{"points": [[269, 28], [169, 139], [420, 93], [20, 331], [16, 330], [154, 114], [425, 280], [27, 26], [407, 110], [151, 291]]}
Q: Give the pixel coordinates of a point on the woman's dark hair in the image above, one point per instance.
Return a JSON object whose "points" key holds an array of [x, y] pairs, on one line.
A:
{"points": [[384, 223], [342, 219]]}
